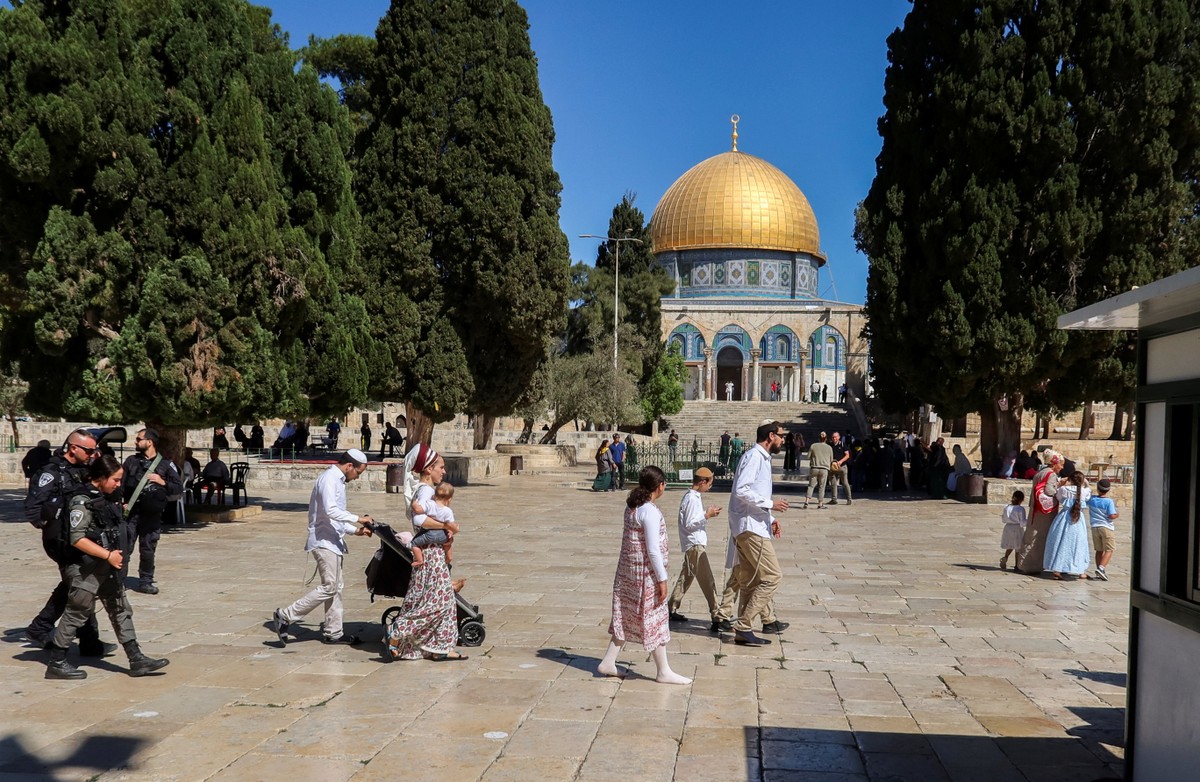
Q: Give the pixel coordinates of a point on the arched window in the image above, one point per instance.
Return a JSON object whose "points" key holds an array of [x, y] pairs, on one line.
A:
{"points": [[831, 351], [783, 348]]}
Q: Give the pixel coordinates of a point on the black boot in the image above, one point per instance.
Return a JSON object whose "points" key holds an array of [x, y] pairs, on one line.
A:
{"points": [[140, 664], [59, 668]]}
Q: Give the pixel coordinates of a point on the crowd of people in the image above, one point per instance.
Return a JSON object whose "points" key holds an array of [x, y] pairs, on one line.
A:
{"points": [[95, 513], [92, 512]]}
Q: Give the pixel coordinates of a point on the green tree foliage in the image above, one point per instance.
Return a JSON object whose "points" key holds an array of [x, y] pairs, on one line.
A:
{"points": [[466, 262], [12, 399], [642, 285], [662, 395], [349, 59], [178, 217], [1037, 157]]}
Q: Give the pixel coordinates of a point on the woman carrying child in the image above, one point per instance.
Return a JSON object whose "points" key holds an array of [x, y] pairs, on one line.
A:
{"points": [[427, 625], [639, 601]]}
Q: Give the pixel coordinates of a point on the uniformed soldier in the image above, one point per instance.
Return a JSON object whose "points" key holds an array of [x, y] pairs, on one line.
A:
{"points": [[49, 490], [92, 564], [145, 515]]}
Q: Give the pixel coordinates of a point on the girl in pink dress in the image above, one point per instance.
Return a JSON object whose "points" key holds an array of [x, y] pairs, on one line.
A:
{"points": [[640, 588]]}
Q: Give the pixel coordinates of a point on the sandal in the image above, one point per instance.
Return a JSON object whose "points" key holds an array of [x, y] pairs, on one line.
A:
{"points": [[447, 656]]}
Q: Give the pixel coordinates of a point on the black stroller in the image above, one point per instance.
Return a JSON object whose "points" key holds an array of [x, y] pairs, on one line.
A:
{"points": [[388, 574]]}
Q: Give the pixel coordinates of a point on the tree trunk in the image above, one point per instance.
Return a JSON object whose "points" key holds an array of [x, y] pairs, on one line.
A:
{"points": [[549, 437], [526, 431], [1118, 421], [1085, 422], [1128, 421], [172, 441], [999, 433], [484, 426], [420, 426], [12, 419]]}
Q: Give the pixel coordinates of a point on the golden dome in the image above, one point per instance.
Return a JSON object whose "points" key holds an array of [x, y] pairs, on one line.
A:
{"points": [[735, 200]]}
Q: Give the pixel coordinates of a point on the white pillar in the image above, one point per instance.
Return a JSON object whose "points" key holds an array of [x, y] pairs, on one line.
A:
{"points": [[755, 375], [707, 384]]}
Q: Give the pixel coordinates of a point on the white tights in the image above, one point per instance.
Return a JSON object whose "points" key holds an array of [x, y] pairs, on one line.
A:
{"points": [[608, 666]]}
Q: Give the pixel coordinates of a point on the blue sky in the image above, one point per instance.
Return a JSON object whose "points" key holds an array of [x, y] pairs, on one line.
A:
{"points": [[642, 91]]}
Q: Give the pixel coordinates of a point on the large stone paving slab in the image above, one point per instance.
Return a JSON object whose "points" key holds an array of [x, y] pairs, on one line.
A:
{"points": [[910, 656]]}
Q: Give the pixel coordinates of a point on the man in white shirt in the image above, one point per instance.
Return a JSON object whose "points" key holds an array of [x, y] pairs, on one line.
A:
{"points": [[751, 526], [328, 524], [693, 538]]}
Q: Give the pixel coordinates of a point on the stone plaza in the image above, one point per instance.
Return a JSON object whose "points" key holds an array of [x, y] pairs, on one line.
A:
{"points": [[910, 656]]}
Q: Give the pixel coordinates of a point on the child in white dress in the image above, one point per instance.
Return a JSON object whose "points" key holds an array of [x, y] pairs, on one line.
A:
{"points": [[1014, 519]]}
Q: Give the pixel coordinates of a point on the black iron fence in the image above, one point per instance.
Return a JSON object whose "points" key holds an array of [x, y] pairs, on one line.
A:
{"points": [[672, 460]]}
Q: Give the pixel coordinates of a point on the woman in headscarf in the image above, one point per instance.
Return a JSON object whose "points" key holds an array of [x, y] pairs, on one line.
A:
{"points": [[427, 625], [1043, 503], [604, 468]]}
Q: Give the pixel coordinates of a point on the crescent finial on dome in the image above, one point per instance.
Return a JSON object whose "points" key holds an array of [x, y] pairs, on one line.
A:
{"points": [[735, 119]]}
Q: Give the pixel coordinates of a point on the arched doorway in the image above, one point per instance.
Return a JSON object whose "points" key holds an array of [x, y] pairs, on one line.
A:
{"points": [[729, 370]]}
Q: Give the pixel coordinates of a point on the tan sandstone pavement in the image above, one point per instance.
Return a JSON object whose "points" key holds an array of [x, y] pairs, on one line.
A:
{"points": [[910, 656]]}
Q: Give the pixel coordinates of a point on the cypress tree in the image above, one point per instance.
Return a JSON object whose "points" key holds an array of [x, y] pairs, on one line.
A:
{"points": [[178, 218], [467, 264], [1037, 157]]}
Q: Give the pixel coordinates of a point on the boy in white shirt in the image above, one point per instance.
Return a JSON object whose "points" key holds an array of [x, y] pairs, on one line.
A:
{"points": [[693, 538]]}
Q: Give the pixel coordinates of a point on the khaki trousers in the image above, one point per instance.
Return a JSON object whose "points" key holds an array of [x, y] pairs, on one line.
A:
{"points": [[817, 477], [328, 594], [729, 597], [758, 574], [695, 567]]}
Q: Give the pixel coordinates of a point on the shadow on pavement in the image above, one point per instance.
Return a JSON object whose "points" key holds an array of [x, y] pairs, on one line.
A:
{"points": [[936, 757], [98, 753]]}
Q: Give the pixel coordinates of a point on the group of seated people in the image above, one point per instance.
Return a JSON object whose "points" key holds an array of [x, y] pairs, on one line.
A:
{"points": [[212, 478]]}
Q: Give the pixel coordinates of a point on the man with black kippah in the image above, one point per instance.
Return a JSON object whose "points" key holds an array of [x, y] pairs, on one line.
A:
{"points": [[148, 484]]}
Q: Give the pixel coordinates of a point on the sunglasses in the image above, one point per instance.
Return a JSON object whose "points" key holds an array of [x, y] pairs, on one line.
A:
{"points": [[84, 448]]}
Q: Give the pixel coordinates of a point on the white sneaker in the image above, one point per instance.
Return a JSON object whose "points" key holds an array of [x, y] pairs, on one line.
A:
{"points": [[1100, 574]]}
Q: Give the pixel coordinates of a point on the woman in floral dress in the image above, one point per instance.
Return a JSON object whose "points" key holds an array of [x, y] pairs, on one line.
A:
{"points": [[428, 622], [639, 601]]}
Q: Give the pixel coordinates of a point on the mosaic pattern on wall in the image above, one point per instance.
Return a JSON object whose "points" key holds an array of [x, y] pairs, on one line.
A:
{"points": [[780, 345], [827, 347], [747, 277], [691, 343]]}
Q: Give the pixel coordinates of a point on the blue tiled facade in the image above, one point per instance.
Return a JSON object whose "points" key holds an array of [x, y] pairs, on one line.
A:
{"points": [[741, 273]]}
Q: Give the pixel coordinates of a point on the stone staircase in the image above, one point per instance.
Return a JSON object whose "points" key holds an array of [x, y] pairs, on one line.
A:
{"points": [[706, 421]]}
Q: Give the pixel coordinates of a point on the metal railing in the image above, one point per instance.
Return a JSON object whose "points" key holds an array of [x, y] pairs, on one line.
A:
{"points": [[683, 457]]}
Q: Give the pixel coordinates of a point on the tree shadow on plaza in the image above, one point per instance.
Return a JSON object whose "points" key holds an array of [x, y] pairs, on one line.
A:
{"points": [[1080, 754], [95, 753]]}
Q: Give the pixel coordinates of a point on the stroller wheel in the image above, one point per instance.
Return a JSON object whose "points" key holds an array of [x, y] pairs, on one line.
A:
{"points": [[389, 616], [471, 633]]}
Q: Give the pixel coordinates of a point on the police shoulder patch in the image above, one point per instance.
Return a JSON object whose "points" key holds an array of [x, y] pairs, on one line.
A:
{"points": [[46, 478], [76, 517]]}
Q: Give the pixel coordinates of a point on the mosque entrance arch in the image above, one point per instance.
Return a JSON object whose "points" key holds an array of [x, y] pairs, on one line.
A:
{"points": [[729, 370]]}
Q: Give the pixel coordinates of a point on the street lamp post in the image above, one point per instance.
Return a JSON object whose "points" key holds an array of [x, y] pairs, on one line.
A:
{"points": [[616, 277]]}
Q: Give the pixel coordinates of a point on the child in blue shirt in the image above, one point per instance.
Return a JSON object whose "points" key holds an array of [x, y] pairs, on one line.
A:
{"points": [[1102, 510]]}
